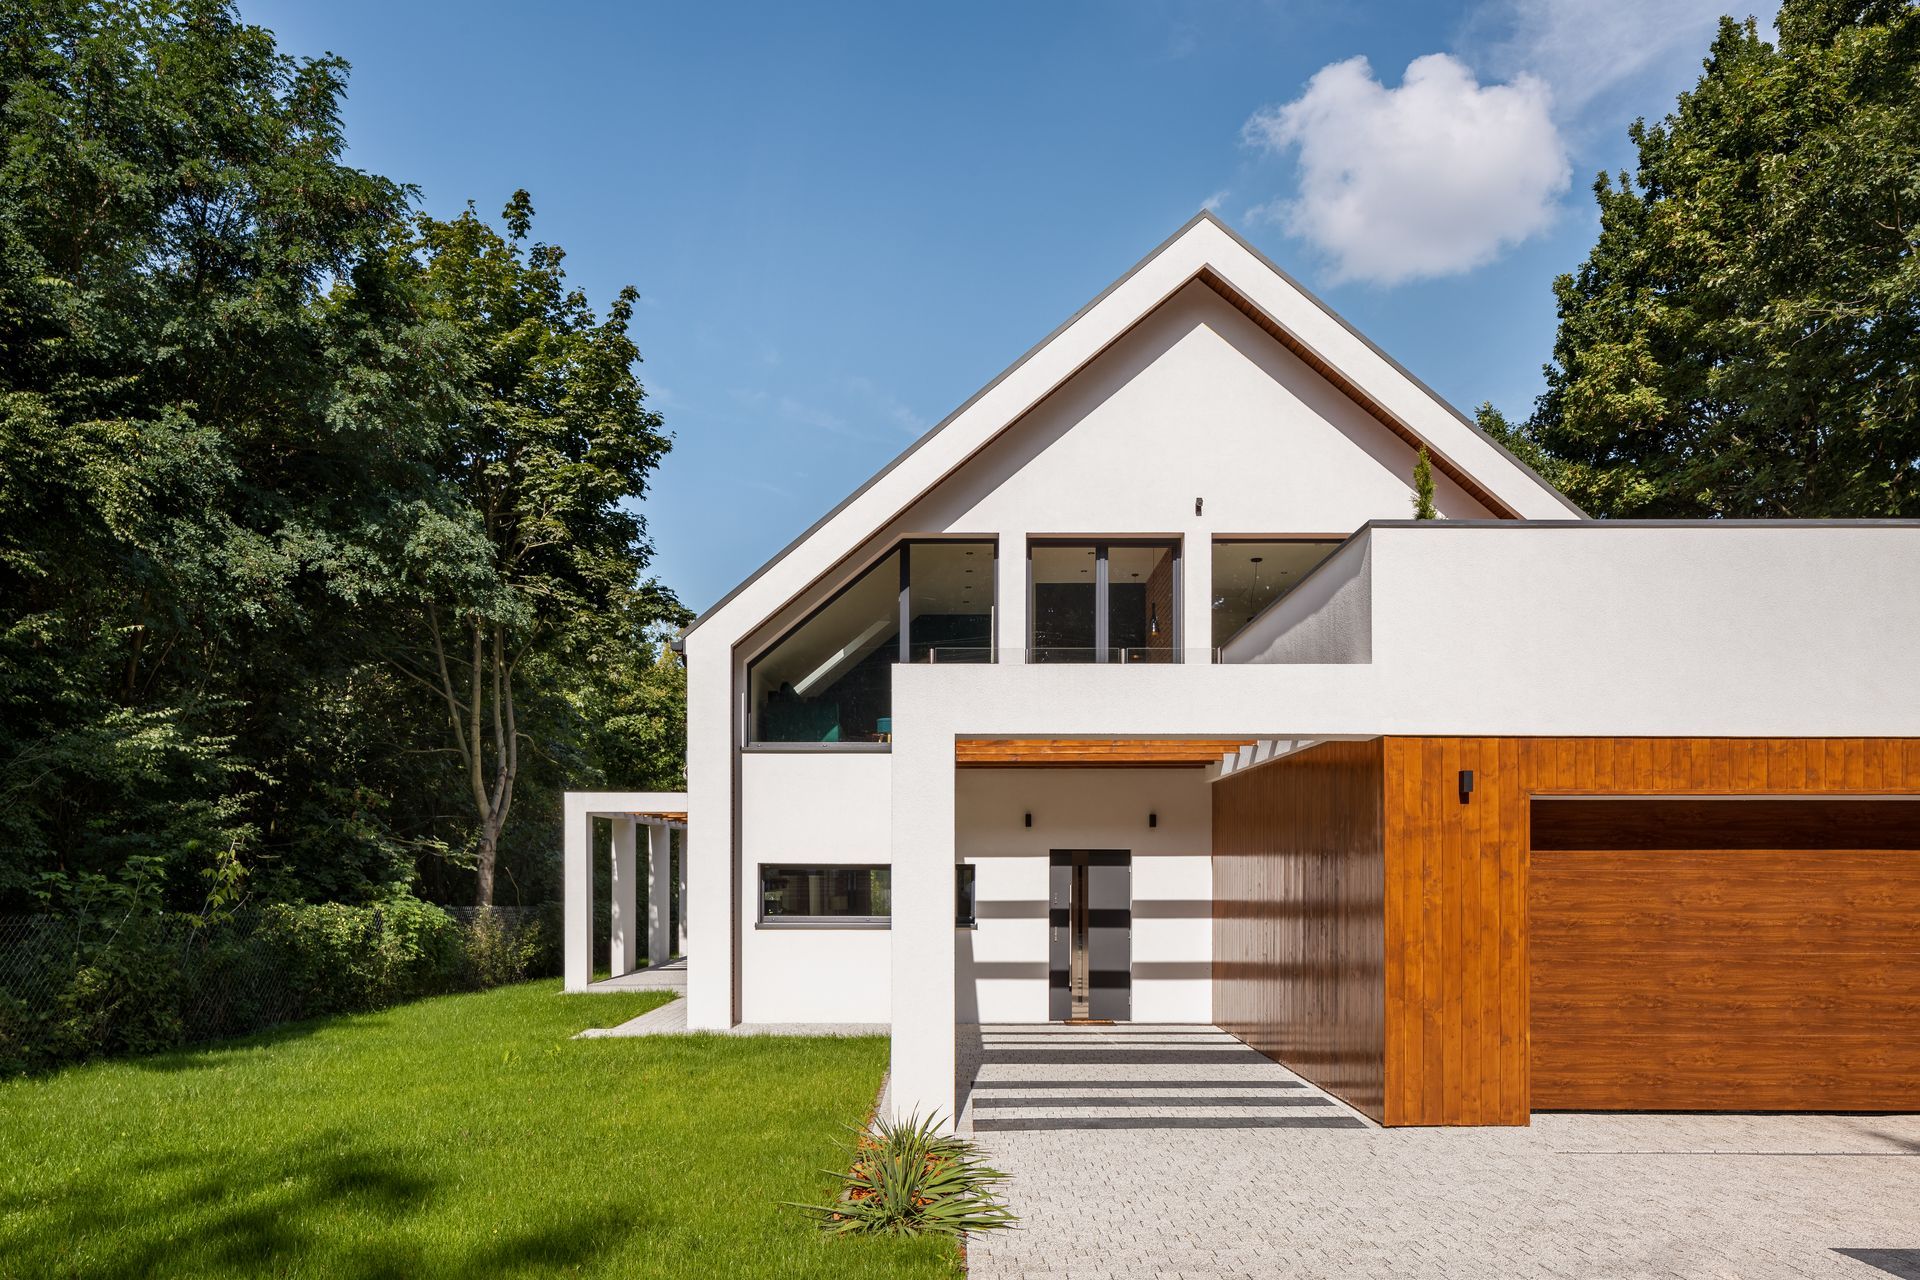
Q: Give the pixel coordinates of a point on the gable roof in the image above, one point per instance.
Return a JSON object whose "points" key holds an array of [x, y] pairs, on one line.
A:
{"points": [[1207, 251]]}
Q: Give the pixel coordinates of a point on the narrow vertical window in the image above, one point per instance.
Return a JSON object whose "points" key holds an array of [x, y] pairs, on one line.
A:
{"points": [[963, 896]]}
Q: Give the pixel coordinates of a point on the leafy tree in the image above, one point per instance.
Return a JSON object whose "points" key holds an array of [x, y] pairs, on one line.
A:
{"points": [[201, 437], [1741, 341], [551, 448], [261, 431]]}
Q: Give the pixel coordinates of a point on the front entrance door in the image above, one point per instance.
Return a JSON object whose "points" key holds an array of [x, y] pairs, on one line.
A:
{"points": [[1090, 935]]}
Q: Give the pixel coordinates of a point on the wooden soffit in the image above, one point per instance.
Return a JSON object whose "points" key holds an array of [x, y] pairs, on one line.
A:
{"points": [[1093, 753]]}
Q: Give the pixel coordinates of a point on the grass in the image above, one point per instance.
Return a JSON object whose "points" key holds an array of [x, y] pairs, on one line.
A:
{"points": [[454, 1137]]}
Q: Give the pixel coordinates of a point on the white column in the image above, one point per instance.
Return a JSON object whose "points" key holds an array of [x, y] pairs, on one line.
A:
{"points": [[710, 784], [1196, 586], [623, 915], [1010, 598], [922, 1079], [659, 893], [576, 893], [680, 930]]}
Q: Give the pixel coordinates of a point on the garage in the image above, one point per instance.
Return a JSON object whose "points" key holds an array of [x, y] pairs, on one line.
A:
{"points": [[1731, 953]]}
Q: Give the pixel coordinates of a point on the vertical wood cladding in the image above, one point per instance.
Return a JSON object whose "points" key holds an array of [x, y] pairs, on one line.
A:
{"points": [[1299, 927], [1372, 930], [1460, 990]]}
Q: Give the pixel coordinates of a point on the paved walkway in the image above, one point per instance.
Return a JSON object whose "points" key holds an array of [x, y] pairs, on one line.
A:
{"points": [[671, 976], [1164, 1151], [671, 1020]]}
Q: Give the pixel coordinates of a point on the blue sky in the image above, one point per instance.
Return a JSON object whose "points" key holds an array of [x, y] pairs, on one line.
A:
{"points": [[844, 219]]}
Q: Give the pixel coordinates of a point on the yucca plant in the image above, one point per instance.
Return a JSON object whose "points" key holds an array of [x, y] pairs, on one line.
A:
{"points": [[910, 1179]]}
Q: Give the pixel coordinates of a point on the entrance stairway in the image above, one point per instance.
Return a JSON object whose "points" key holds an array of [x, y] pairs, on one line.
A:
{"points": [[1131, 1075]]}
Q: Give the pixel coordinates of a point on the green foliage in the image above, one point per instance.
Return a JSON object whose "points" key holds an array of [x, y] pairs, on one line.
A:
{"points": [[137, 981], [259, 425], [910, 1179], [341, 959], [537, 570], [1423, 508], [1740, 340]]}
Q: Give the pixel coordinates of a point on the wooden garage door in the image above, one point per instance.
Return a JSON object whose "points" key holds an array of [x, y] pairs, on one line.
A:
{"points": [[1720, 955]]}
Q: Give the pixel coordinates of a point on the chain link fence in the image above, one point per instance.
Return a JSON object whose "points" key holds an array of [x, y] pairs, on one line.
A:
{"points": [[79, 987]]}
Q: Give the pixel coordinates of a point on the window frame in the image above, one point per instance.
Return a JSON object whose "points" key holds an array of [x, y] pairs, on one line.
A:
{"points": [[903, 649], [764, 921], [1102, 602]]}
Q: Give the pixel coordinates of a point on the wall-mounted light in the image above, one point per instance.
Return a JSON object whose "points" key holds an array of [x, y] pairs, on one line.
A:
{"points": [[1466, 785], [1153, 819], [1199, 505], [1029, 819]]}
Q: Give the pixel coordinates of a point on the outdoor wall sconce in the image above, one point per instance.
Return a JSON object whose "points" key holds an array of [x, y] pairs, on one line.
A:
{"points": [[1466, 785], [1153, 819], [1029, 819], [1199, 505]]}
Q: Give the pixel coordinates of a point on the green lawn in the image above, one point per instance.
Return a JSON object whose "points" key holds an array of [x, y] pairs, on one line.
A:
{"points": [[463, 1136]]}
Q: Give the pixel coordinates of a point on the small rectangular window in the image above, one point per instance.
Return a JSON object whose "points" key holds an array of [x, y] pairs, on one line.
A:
{"points": [[844, 897], [963, 899]]}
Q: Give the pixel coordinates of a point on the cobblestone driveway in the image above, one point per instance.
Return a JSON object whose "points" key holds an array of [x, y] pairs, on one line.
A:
{"points": [[1161, 1151]]}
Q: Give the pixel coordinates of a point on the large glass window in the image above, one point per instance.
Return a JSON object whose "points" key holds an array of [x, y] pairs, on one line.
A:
{"points": [[1064, 605], [950, 602], [1104, 602], [830, 679], [1249, 576], [843, 896], [1140, 603]]}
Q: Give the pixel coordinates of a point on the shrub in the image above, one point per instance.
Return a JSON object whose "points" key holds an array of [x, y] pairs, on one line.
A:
{"points": [[85, 985], [497, 953], [909, 1179], [345, 959]]}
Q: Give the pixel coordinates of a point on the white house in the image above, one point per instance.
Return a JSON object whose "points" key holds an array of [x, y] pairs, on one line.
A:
{"points": [[1130, 692]]}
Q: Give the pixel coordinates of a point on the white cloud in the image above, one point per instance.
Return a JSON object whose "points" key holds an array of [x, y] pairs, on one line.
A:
{"points": [[1432, 178], [1587, 49]]}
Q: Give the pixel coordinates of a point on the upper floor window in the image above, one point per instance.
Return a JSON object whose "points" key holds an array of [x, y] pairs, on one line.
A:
{"points": [[1104, 601], [1249, 576], [830, 678]]}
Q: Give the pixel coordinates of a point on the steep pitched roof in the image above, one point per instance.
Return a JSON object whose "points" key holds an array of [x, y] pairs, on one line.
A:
{"points": [[1205, 250]]}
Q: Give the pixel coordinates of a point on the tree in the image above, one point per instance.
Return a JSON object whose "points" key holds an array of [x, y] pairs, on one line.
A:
{"points": [[1423, 508], [261, 429], [518, 582], [1742, 339], [213, 401]]}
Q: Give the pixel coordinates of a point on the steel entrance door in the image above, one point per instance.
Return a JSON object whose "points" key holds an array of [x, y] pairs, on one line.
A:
{"points": [[1090, 935]]}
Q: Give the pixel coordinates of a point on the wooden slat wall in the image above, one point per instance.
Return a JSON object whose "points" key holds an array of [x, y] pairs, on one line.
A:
{"points": [[1299, 929], [1456, 965]]}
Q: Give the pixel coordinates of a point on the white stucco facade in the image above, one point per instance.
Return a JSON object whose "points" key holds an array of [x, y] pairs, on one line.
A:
{"points": [[1169, 409]]}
